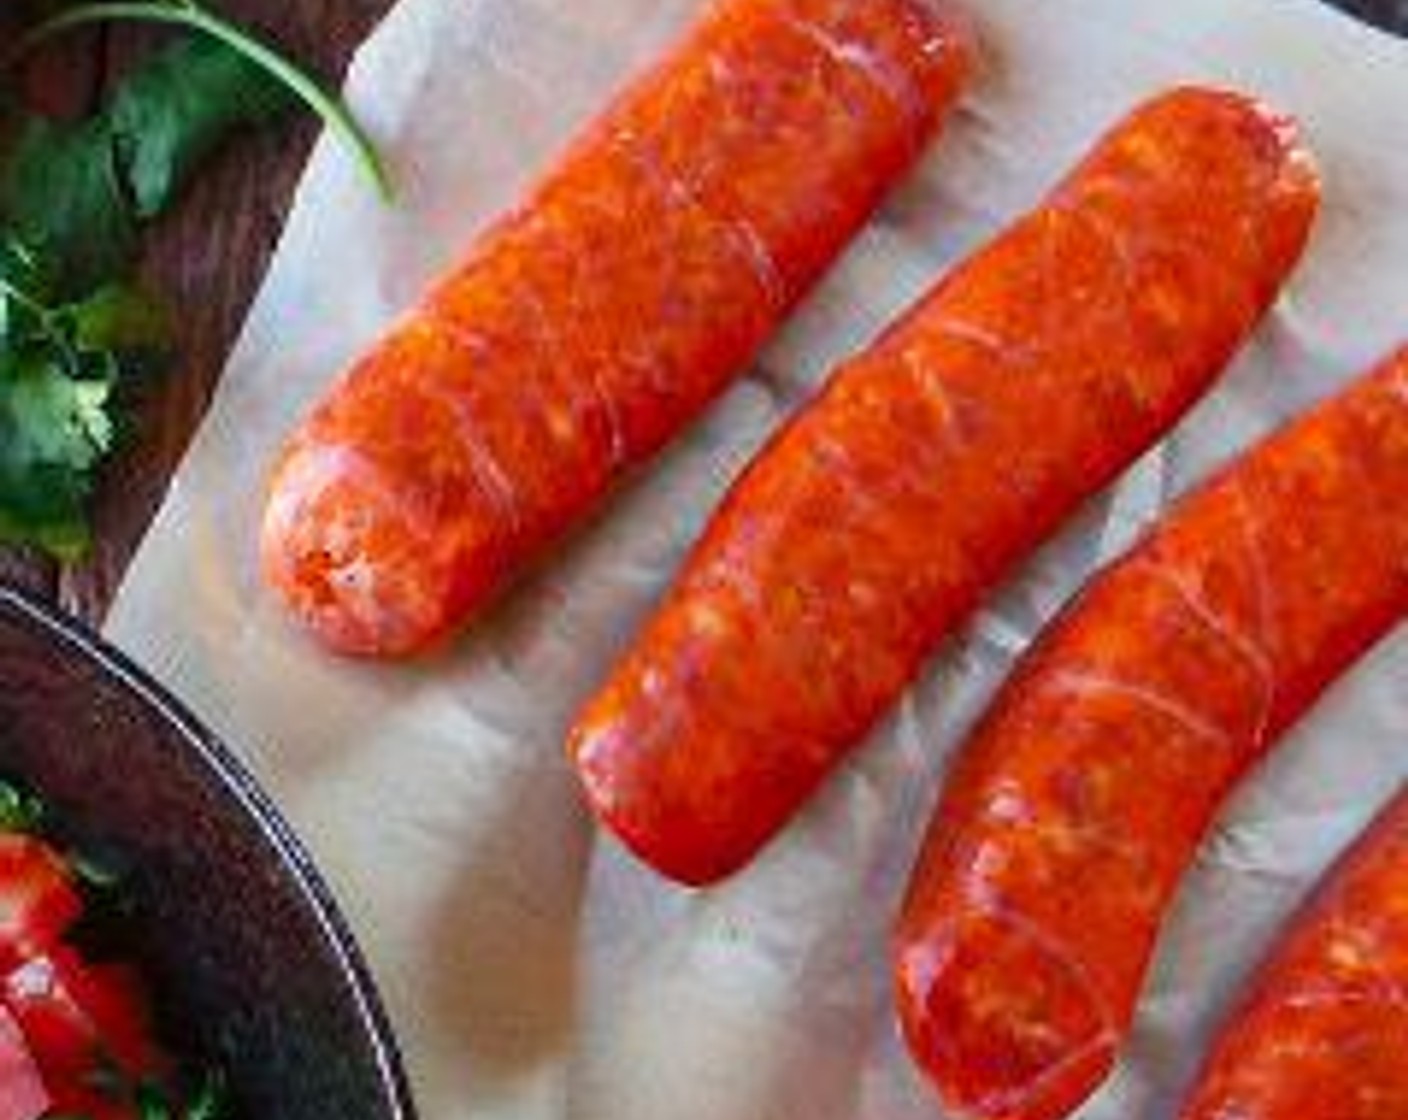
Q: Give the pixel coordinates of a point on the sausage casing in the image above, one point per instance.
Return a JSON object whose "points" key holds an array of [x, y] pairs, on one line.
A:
{"points": [[588, 326], [1080, 800], [872, 524], [1323, 1033]]}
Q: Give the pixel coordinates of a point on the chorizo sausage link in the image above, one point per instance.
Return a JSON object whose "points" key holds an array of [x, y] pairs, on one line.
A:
{"points": [[587, 327], [1323, 1034], [1081, 798], [869, 528]]}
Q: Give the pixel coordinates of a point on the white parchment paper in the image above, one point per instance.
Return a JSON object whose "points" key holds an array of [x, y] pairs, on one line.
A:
{"points": [[533, 971]]}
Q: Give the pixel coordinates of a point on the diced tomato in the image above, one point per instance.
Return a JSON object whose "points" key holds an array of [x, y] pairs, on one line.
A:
{"points": [[22, 1092], [38, 900], [78, 1017]]}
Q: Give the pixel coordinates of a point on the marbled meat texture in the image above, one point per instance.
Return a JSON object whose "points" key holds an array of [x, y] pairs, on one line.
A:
{"points": [[1081, 799], [1323, 1034], [872, 525], [590, 325]]}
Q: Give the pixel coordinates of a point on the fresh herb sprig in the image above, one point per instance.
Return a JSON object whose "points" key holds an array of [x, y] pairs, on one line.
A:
{"points": [[195, 17], [20, 810], [60, 364], [75, 332], [209, 1101]]}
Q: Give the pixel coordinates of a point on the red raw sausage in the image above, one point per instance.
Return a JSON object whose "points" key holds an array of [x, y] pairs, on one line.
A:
{"points": [[1080, 800], [931, 464], [1323, 1034], [590, 325]]}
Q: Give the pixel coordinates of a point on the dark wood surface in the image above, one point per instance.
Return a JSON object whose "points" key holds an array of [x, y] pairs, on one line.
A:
{"points": [[207, 260]]}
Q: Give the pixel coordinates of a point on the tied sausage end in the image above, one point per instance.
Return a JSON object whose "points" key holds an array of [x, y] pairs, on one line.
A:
{"points": [[591, 324], [675, 826], [358, 567]]}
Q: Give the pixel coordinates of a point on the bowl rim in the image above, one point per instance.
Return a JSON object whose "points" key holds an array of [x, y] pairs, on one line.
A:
{"points": [[225, 768]]}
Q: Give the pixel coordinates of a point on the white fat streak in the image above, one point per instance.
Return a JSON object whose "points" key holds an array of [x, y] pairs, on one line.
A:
{"points": [[963, 330], [1384, 994], [1008, 807], [941, 394], [750, 245], [1241, 643], [1089, 683], [559, 353], [1256, 557], [1013, 1102], [1117, 240], [1004, 1102], [883, 73], [496, 483]]}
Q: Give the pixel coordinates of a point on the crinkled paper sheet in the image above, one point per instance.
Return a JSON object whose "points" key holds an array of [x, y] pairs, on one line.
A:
{"points": [[533, 971]]}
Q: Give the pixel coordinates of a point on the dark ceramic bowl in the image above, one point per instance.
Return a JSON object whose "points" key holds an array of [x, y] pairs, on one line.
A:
{"points": [[253, 968]]}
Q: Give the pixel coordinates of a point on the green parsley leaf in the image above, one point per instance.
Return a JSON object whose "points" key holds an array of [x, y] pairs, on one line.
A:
{"points": [[20, 810], [151, 1103], [77, 191], [194, 16], [171, 113], [60, 366], [211, 1100], [53, 431], [119, 318], [61, 192], [73, 196]]}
